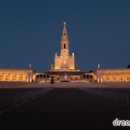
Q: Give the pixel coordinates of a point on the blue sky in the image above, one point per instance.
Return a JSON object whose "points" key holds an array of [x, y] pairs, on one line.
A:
{"points": [[99, 32]]}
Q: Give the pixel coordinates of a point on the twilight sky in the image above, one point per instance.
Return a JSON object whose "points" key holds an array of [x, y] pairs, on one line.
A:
{"points": [[30, 32]]}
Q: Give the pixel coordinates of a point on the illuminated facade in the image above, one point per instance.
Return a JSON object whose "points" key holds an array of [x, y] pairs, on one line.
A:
{"points": [[64, 69], [64, 61], [112, 75], [17, 75]]}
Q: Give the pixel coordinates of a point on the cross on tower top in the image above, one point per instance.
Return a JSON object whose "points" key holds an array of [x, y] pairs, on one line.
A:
{"points": [[64, 23]]}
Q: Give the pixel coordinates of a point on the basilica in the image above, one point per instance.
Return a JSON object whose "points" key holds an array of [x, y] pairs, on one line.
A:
{"points": [[64, 69], [64, 61]]}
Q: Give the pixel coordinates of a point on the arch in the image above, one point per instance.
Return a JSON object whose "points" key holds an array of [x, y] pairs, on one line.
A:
{"points": [[64, 46]]}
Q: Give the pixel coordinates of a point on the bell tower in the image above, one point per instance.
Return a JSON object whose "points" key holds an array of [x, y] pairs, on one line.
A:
{"points": [[64, 61], [64, 41]]}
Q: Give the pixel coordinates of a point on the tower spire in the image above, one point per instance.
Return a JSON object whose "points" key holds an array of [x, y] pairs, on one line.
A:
{"points": [[64, 38]]}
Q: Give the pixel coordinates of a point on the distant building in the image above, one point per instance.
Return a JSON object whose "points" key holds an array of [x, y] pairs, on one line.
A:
{"points": [[64, 61], [17, 75], [112, 75], [65, 69]]}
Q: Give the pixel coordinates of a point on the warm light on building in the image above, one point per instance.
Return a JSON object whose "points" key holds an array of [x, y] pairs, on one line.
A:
{"points": [[64, 68], [17, 75], [64, 61]]}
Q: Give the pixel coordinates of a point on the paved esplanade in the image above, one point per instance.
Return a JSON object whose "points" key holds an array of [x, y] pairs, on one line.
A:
{"points": [[67, 107]]}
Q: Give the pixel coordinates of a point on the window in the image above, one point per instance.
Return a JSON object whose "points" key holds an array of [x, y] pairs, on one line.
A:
{"points": [[64, 46]]}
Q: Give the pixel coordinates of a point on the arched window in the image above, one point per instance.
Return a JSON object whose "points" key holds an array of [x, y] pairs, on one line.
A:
{"points": [[64, 46]]}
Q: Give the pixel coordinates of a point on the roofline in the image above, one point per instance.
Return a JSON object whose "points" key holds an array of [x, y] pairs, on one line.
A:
{"points": [[15, 69], [116, 69]]}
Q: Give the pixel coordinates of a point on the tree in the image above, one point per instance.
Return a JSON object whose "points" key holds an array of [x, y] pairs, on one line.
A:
{"points": [[128, 66]]}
